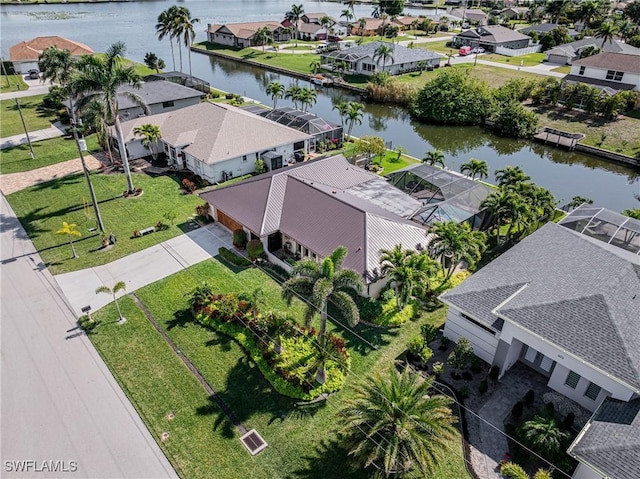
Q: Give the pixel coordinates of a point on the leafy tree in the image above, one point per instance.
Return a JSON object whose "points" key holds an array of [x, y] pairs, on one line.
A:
{"points": [[321, 283], [475, 167], [516, 121], [607, 31], [153, 62], [391, 8], [119, 286], [632, 12], [453, 242], [634, 41], [434, 158], [294, 16], [406, 427], [150, 137], [408, 269], [454, 97], [69, 230], [371, 145], [275, 90], [260, 166], [579, 200], [544, 435]]}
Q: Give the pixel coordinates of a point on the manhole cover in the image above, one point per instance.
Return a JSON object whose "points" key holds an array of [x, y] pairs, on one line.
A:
{"points": [[253, 442]]}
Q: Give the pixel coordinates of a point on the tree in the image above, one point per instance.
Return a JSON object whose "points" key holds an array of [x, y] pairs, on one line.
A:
{"points": [[293, 93], [342, 108], [183, 25], [384, 52], [516, 121], [308, 97], [362, 24], [315, 65], [544, 434], [275, 90], [510, 176], [119, 286], [632, 11], [475, 167], [354, 114], [326, 22], [321, 283], [256, 299], [348, 16], [69, 230], [150, 137], [153, 62], [392, 8], [434, 158], [164, 29], [100, 77], [607, 31], [294, 15], [395, 425], [262, 36], [453, 242], [372, 146], [579, 200]]}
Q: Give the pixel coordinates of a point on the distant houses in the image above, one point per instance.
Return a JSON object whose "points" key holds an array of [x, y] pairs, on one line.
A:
{"points": [[491, 37], [25, 55], [609, 71], [243, 35]]}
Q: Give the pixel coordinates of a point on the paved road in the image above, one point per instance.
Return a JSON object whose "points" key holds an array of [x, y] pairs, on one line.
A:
{"points": [[59, 401]]}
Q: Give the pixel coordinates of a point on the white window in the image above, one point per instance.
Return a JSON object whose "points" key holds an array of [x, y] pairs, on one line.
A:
{"points": [[592, 391], [572, 379], [531, 354]]}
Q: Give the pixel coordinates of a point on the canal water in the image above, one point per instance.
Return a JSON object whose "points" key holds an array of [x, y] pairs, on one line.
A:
{"points": [[566, 174]]}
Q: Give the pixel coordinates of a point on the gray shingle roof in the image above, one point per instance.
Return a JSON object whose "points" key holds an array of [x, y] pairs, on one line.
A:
{"points": [[494, 34], [400, 54], [571, 49], [156, 92], [579, 295], [612, 61], [611, 441], [543, 28]]}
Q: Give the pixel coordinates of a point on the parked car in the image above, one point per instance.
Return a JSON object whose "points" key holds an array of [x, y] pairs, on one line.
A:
{"points": [[478, 50], [464, 51], [33, 74]]}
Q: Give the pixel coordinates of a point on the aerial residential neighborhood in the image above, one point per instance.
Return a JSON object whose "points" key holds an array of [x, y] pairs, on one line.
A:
{"points": [[351, 239]]}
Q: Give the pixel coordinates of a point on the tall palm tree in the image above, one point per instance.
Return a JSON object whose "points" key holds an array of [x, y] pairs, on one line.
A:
{"points": [[506, 207], [96, 114], [384, 52], [69, 230], [321, 283], [308, 97], [275, 90], [164, 28], [119, 286], [348, 16], [326, 22], [355, 112], [342, 107], [511, 176], [184, 27], [293, 93], [475, 167], [362, 23], [150, 137], [100, 77], [294, 15], [350, 4], [395, 425], [262, 36], [607, 31], [453, 242], [545, 435], [434, 158]]}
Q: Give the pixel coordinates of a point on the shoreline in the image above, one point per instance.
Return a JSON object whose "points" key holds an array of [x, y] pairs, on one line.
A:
{"points": [[61, 2]]}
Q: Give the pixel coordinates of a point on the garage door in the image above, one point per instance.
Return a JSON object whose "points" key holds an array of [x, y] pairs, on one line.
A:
{"points": [[227, 221]]}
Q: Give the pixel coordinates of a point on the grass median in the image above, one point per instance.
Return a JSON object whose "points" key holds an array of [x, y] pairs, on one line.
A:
{"points": [[9, 83], [35, 117]]}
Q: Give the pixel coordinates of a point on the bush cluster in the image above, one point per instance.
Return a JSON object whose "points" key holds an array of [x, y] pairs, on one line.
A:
{"points": [[233, 258]]}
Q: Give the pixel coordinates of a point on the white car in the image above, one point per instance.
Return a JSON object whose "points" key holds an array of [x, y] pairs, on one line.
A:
{"points": [[478, 50]]}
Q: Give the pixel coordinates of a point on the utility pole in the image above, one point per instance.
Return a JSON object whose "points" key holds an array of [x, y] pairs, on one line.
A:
{"points": [[24, 126]]}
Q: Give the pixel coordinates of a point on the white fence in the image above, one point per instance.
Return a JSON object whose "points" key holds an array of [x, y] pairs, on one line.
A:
{"points": [[520, 51]]}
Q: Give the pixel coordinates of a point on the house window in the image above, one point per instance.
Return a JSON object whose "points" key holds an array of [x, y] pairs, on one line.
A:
{"points": [[167, 104], [572, 380], [368, 67], [592, 391], [478, 324], [614, 75], [244, 158], [581, 72]]}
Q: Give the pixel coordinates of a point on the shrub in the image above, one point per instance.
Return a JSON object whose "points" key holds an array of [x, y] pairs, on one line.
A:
{"points": [[516, 121], [260, 167], [416, 345], [517, 410], [437, 368], [494, 373], [549, 410], [381, 78], [189, 185], [160, 226], [464, 392], [467, 376], [444, 343], [484, 386], [229, 96], [464, 351], [370, 309], [278, 271], [395, 92], [529, 397], [387, 295], [513, 471], [255, 249], [568, 421], [239, 238], [53, 100], [476, 364], [233, 258], [429, 332], [203, 210], [87, 324]]}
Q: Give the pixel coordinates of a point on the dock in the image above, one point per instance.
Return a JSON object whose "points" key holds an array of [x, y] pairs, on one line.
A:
{"points": [[558, 138]]}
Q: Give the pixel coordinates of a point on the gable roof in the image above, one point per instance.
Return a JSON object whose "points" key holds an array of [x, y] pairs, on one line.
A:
{"points": [[156, 92], [470, 13], [572, 49], [494, 34], [313, 203], [543, 28], [578, 294], [215, 132], [31, 49], [399, 54], [610, 442], [245, 30], [611, 61]]}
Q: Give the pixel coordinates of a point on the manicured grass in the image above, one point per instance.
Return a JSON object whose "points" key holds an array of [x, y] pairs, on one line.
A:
{"points": [[140, 68], [47, 152], [563, 69], [529, 60], [440, 47], [35, 117], [495, 76], [10, 83], [389, 162], [42, 209]]}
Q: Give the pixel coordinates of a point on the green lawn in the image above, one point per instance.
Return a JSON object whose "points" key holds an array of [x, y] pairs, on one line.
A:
{"points": [[47, 152], [529, 60], [563, 69], [495, 76], [440, 47], [42, 209], [390, 162], [140, 68], [35, 117], [202, 440], [10, 83]]}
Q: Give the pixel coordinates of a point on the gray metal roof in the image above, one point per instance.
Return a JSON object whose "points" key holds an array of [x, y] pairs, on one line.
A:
{"points": [[580, 294], [611, 440], [399, 54], [156, 92]]}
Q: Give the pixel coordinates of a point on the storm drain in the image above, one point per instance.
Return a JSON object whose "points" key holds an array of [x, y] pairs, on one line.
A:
{"points": [[253, 442]]}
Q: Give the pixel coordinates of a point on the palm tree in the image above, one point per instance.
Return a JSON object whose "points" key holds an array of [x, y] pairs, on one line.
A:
{"points": [[150, 136], [343, 108], [119, 286], [96, 114], [355, 112], [348, 16], [308, 97], [321, 283], [396, 425], [453, 242], [326, 22], [256, 300], [69, 230], [277, 324], [362, 23], [384, 52], [544, 434], [315, 65], [350, 4], [262, 36], [475, 167], [434, 158], [100, 77], [607, 31], [294, 15], [293, 93], [506, 206], [164, 28], [275, 90], [184, 26], [510, 176]]}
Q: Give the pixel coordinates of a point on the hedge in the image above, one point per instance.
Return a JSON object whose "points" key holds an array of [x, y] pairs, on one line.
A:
{"points": [[233, 258]]}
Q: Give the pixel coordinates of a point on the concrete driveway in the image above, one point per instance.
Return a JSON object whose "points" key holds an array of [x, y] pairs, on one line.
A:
{"points": [[61, 408], [143, 268]]}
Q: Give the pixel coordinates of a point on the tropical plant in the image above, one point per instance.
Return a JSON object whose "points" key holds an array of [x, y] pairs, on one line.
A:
{"points": [[632, 213], [384, 52], [607, 31], [153, 62], [362, 24], [119, 286], [354, 114], [510, 176], [69, 230], [165, 29], [293, 93], [315, 65], [260, 167], [321, 283], [256, 299], [544, 435], [579, 200], [101, 77], [326, 22], [275, 90], [434, 158], [294, 15], [262, 36], [399, 150], [183, 25], [342, 107], [150, 137], [347, 15], [308, 97], [475, 167], [453, 242], [395, 425]]}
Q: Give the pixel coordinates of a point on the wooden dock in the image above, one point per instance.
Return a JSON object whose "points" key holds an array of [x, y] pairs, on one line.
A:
{"points": [[558, 138]]}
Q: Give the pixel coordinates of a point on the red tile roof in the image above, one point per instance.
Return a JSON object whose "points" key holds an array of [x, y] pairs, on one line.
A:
{"points": [[31, 50]]}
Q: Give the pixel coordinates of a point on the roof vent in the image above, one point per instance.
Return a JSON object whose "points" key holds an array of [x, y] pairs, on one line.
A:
{"points": [[334, 192], [253, 442]]}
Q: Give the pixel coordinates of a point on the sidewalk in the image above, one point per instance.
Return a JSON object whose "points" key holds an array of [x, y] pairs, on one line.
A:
{"points": [[36, 87], [144, 267], [55, 130]]}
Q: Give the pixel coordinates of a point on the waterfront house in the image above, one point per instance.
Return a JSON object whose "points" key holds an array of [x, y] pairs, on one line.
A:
{"points": [[492, 36], [565, 54], [565, 302], [242, 35], [544, 28], [161, 96], [25, 55], [218, 141], [364, 60], [609, 71]]}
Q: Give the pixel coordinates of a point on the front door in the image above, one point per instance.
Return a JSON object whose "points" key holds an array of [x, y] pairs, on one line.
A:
{"points": [[537, 360]]}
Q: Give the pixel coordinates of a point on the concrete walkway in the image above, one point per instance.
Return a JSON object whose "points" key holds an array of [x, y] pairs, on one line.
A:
{"points": [[36, 87], [144, 267], [56, 130]]}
